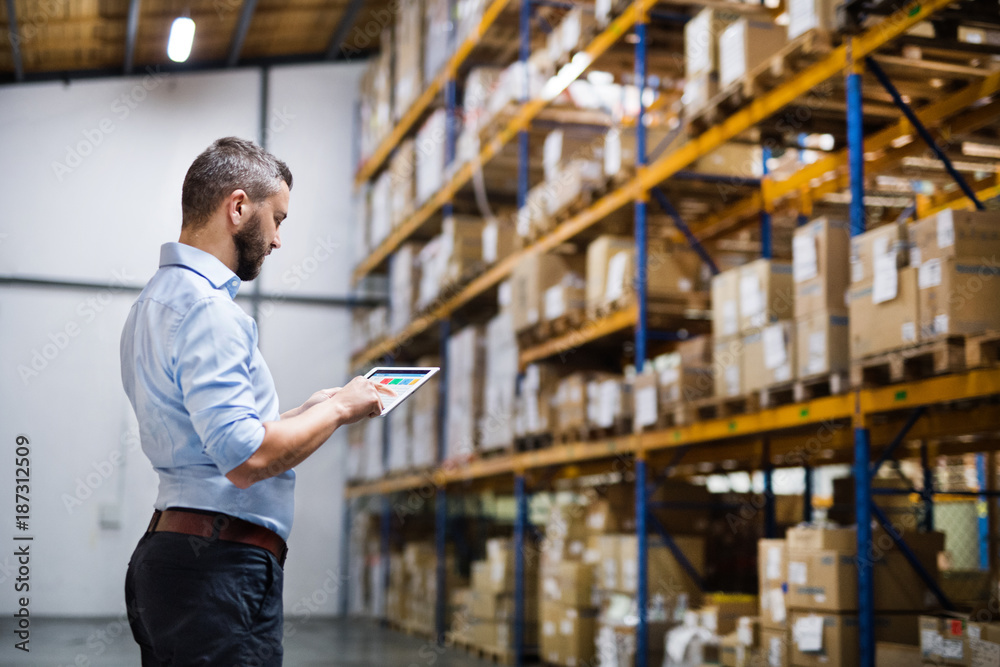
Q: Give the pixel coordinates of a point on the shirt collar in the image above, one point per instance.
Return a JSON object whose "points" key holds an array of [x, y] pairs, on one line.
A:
{"points": [[204, 264]]}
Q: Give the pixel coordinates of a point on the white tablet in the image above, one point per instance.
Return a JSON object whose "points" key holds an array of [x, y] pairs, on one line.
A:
{"points": [[403, 381]]}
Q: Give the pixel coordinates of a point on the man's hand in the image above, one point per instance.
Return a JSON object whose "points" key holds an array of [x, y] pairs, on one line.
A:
{"points": [[315, 399], [361, 397]]}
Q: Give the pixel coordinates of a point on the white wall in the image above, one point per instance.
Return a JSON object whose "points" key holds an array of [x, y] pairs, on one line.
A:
{"points": [[90, 175]]}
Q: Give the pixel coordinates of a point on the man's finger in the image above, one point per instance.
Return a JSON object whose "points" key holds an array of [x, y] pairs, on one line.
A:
{"points": [[385, 389]]}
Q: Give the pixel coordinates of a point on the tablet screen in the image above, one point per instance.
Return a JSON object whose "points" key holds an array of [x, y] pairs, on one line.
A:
{"points": [[403, 381]]}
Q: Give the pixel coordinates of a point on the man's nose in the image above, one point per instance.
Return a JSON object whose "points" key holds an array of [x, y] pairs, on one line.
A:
{"points": [[276, 242]]}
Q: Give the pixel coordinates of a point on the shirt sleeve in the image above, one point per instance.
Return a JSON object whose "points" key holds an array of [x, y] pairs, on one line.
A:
{"points": [[213, 347]]}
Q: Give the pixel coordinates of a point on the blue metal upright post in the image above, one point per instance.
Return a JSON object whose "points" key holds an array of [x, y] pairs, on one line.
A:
{"points": [[770, 524], [520, 523], [862, 436], [982, 514], [866, 588], [928, 487], [641, 332], [642, 583], [440, 537], [766, 245], [856, 150]]}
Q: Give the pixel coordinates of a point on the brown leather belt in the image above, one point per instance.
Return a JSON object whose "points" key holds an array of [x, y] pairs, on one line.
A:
{"points": [[214, 526]]}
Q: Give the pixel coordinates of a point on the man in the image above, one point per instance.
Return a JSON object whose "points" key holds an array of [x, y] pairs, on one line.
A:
{"points": [[204, 585]]}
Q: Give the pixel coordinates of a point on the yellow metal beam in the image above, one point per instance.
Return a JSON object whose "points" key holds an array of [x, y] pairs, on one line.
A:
{"points": [[590, 331], [947, 388], [426, 98]]}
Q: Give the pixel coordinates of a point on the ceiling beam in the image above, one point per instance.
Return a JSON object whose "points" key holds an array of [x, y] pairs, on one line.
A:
{"points": [[15, 41], [131, 30], [240, 34], [343, 27]]}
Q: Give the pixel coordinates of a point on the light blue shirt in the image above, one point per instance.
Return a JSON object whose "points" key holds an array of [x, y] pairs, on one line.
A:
{"points": [[201, 389]]}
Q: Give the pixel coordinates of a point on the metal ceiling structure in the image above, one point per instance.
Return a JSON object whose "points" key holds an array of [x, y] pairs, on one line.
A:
{"points": [[70, 39]]}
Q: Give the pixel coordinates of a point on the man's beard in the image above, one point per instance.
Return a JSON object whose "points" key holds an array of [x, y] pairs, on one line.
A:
{"points": [[251, 248]]}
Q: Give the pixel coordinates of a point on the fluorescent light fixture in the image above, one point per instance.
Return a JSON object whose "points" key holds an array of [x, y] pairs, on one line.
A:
{"points": [[973, 149], [181, 39]]}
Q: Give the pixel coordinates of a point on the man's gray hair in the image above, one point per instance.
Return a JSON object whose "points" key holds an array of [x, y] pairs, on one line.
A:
{"points": [[229, 164]]}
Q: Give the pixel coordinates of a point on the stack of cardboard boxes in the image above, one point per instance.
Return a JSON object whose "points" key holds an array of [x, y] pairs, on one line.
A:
{"points": [[539, 279], [822, 597], [745, 44], [496, 425], [673, 379], [821, 253], [534, 413], [466, 358], [402, 174], [568, 605], [701, 56], [587, 401], [753, 327], [409, 49], [491, 620]]}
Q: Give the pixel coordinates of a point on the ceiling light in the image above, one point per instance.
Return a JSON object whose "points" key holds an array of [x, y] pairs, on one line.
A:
{"points": [[181, 39], [973, 149]]}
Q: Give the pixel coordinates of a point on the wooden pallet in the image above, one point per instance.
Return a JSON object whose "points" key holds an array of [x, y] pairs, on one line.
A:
{"points": [[982, 349], [824, 384], [656, 307], [777, 394], [936, 357], [560, 325], [715, 408], [621, 427], [794, 57], [540, 228], [492, 654], [530, 443]]}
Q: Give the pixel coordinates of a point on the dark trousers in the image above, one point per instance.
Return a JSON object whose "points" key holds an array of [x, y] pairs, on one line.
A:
{"points": [[193, 601]]}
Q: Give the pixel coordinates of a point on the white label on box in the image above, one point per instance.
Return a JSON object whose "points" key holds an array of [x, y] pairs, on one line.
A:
{"points": [[576, 548], [808, 634], [491, 237], [817, 352], [783, 373], [566, 626], [880, 246], [744, 634], [802, 17], [730, 319], [915, 256], [774, 651], [555, 302], [984, 653], [952, 648], [857, 271], [612, 150], [548, 628], [805, 263], [684, 285], [732, 53], [929, 274], [614, 286], [645, 406], [629, 577], [670, 376], [930, 643], [941, 323], [772, 567], [751, 296], [775, 352], [610, 403], [602, 11], [778, 613], [798, 573], [908, 332], [732, 378], [974, 632], [945, 229], [552, 154], [886, 284], [551, 588]]}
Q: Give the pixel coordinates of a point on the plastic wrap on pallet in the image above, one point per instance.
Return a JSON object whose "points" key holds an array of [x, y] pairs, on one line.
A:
{"points": [[437, 44], [497, 425], [402, 170], [381, 213], [465, 391], [403, 284], [400, 437], [431, 156], [409, 55]]}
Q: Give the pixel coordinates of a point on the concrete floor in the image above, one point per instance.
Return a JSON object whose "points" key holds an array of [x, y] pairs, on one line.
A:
{"points": [[107, 642]]}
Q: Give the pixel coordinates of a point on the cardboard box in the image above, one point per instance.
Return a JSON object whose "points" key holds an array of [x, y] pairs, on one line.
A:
{"points": [[944, 640], [534, 411], [725, 304], [889, 654], [695, 352], [402, 170], [465, 391], [821, 252], [532, 276], [701, 50], [806, 15], [769, 356], [774, 647], [727, 365], [566, 633], [620, 149], [772, 568], [766, 293], [664, 574], [611, 271], [409, 55], [699, 90], [744, 45], [462, 248], [971, 236], [898, 318], [565, 299], [823, 343], [568, 582], [721, 612], [957, 297], [431, 158], [823, 640], [887, 240], [826, 537], [499, 239]]}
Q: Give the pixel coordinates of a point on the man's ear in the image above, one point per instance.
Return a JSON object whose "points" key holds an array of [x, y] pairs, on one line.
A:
{"points": [[236, 206]]}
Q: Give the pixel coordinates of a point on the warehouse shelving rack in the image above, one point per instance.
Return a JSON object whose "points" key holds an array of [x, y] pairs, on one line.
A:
{"points": [[830, 429]]}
